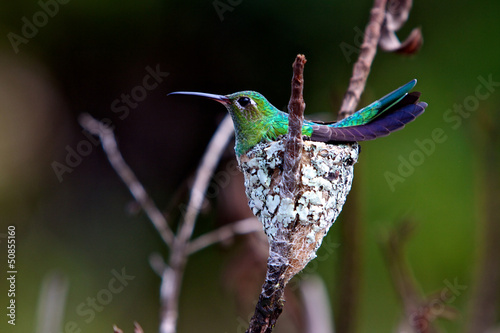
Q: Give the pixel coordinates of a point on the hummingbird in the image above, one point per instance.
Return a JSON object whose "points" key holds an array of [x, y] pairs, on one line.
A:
{"points": [[256, 120]]}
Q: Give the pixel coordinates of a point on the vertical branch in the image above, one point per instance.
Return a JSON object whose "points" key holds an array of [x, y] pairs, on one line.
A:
{"points": [[318, 312], [350, 256], [419, 310], [51, 303], [393, 250], [126, 174], [415, 318], [363, 64], [485, 301], [271, 300], [381, 30], [293, 145], [173, 274], [179, 244], [350, 264], [209, 162]]}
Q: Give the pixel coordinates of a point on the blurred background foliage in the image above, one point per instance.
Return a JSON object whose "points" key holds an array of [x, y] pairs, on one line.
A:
{"points": [[83, 224]]}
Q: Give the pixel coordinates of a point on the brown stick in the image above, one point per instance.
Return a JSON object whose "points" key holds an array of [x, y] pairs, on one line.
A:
{"points": [[402, 279], [173, 274], [126, 174], [350, 259], [293, 145], [350, 264], [484, 302], [271, 300], [242, 227], [179, 244], [350, 255], [362, 66]]}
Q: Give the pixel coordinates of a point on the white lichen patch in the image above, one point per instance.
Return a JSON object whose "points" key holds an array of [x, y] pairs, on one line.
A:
{"points": [[325, 179], [272, 202]]}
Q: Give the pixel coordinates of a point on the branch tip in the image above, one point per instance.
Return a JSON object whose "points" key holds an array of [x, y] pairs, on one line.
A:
{"points": [[293, 142]]}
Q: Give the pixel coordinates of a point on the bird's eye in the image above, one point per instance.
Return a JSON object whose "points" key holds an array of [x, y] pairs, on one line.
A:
{"points": [[243, 101]]}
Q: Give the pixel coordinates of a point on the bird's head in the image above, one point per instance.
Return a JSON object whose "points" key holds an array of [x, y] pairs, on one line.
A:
{"points": [[243, 105], [252, 115]]}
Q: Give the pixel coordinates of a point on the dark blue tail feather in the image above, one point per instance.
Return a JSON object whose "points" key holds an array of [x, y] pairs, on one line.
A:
{"points": [[394, 119]]}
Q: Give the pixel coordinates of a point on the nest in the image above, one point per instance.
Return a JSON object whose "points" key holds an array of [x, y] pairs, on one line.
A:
{"points": [[298, 224]]}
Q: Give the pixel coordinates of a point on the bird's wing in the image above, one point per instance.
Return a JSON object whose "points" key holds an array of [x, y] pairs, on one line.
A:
{"points": [[375, 109], [393, 119]]}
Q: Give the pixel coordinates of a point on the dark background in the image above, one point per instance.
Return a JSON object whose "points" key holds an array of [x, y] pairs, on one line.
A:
{"points": [[82, 224]]}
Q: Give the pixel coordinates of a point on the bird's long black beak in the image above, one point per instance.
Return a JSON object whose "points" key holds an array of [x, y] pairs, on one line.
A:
{"points": [[219, 98]]}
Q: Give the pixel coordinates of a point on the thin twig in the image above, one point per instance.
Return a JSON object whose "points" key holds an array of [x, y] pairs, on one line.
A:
{"points": [[271, 299], [172, 275], [116, 329], [362, 66], [179, 245], [400, 272], [228, 231], [116, 160], [138, 328], [485, 299], [51, 303], [209, 162], [350, 264], [383, 23], [157, 263], [317, 309], [350, 253], [419, 310], [396, 16]]}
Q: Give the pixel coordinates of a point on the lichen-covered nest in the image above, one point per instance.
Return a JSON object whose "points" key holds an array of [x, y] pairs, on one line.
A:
{"points": [[326, 174]]}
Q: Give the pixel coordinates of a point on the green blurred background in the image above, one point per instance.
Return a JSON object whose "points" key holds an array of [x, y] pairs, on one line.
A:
{"points": [[83, 224]]}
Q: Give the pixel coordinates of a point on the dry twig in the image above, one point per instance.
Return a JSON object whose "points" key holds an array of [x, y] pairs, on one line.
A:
{"points": [[172, 275], [419, 311], [362, 66], [396, 16], [116, 160], [350, 252], [485, 298], [293, 144], [180, 246], [225, 232], [116, 329], [317, 308], [51, 303], [384, 22], [271, 299]]}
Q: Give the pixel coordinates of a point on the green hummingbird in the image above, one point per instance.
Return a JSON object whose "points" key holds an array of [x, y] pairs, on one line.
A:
{"points": [[256, 120]]}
